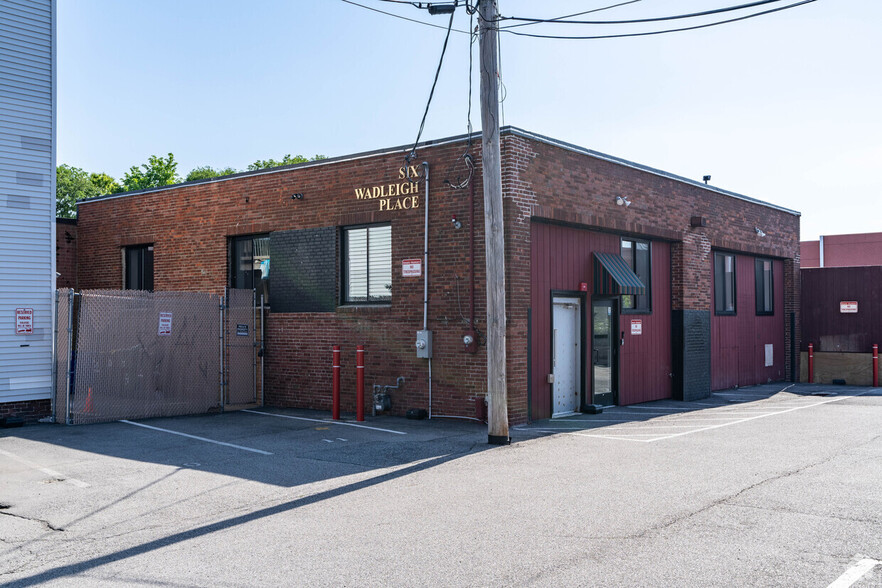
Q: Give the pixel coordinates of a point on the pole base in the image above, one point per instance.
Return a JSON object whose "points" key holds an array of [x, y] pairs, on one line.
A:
{"points": [[498, 440]]}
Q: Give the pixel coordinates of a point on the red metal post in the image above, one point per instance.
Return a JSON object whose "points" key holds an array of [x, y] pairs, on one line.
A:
{"points": [[811, 368], [335, 397], [359, 383], [875, 366]]}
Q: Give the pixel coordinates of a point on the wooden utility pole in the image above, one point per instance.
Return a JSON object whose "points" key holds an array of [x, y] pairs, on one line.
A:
{"points": [[494, 237]]}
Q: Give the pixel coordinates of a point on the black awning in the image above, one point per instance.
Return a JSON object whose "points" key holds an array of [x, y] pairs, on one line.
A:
{"points": [[613, 276]]}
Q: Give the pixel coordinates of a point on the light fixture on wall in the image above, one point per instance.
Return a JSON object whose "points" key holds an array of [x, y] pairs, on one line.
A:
{"points": [[622, 201], [759, 231], [297, 196], [456, 223]]}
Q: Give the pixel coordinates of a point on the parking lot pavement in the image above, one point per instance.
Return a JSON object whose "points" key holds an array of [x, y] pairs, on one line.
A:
{"points": [[652, 422], [749, 487]]}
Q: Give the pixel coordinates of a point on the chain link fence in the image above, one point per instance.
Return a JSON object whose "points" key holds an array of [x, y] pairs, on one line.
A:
{"points": [[138, 354]]}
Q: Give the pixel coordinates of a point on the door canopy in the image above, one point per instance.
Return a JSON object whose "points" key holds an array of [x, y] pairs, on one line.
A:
{"points": [[613, 276]]}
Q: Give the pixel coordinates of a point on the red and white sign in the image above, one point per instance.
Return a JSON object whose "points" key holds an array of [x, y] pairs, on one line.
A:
{"points": [[165, 323], [848, 306], [636, 326], [411, 268], [24, 321], [583, 286]]}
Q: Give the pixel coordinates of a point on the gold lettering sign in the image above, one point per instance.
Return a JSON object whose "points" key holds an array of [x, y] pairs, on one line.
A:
{"points": [[402, 195]]}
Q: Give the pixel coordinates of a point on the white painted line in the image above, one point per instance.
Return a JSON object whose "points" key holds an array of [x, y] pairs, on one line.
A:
{"points": [[759, 416], [742, 395], [260, 451], [656, 409], [613, 437], [47, 471], [854, 573], [286, 416]]}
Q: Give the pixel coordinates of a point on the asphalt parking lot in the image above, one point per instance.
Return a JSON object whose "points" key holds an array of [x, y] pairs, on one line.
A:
{"points": [[763, 486]]}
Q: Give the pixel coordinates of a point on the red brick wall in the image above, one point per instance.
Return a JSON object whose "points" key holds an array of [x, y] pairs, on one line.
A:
{"points": [[29, 410], [66, 253], [190, 225]]}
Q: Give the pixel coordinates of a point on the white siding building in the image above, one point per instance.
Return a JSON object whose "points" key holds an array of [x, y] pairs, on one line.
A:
{"points": [[27, 205]]}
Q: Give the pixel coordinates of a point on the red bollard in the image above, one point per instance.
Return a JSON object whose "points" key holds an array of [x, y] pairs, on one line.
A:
{"points": [[335, 396], [359, 383], [875, 366], [811, 368]]}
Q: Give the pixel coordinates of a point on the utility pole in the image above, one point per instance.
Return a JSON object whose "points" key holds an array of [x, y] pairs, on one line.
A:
{"points": [[494, 237]]}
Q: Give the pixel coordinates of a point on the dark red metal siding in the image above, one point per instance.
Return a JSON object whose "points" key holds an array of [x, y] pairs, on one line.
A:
{"points": [[561, 258], [645, 360], [822, 323], [738, 342]]}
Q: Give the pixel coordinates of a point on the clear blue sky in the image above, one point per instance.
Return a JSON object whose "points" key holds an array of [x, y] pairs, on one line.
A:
{"points": [[785, 107]]}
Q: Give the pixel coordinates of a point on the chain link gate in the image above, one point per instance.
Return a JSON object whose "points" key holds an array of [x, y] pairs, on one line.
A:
{"points": [[132, 354]]}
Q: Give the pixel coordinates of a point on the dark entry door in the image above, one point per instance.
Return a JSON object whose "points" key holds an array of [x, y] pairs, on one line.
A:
{"points": [[604, 324]]}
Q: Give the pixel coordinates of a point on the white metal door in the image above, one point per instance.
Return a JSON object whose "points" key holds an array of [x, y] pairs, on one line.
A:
{"points": [[566, 338]]}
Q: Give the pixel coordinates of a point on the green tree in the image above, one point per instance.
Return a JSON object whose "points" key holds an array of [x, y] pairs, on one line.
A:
{"points": [[71, 184], [105, 184], [287, 160], [153, 174], [206, 172]]}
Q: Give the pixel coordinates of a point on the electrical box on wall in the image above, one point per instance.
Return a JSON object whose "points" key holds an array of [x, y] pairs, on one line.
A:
{"points": [[424, 344]]}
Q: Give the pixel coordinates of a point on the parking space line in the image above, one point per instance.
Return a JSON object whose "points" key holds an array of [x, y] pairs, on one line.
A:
{"points": [[47, 471], [616, 437], [854, 573], [759, 416], [287, 416], [225, 444]]}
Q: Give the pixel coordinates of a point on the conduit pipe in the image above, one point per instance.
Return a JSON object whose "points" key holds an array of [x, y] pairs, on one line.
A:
{"points": [[426, 274]]}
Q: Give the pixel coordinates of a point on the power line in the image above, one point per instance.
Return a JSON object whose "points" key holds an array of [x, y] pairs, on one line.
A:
{"points": [[662, 32], [559, 20], [412, 153], [526, 24], [428, 24]]}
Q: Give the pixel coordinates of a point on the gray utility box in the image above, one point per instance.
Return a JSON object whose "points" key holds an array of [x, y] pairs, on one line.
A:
{"points": [[424, 344]]}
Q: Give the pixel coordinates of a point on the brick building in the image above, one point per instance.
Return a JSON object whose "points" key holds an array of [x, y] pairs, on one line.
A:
{"points": [[852, 250], [623, 283]]}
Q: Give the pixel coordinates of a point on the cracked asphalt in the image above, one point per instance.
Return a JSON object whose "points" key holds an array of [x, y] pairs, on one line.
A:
{"points": [[786, 492]]}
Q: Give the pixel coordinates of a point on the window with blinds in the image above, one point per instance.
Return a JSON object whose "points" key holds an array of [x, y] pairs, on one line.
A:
{"points": [[367, 264]]}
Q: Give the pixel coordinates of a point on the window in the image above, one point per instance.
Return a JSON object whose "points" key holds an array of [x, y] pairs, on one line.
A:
{"points": [[138, 269], [250, 264], [367, 264], [724, 283], [637, 255], [765, 291]]}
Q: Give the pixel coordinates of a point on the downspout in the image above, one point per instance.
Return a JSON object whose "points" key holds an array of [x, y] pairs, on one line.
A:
{"points": [[426, 277], [472, 258]]}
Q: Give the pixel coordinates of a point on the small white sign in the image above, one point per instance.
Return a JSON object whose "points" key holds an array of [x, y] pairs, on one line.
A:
{"points": [[848, 306], [636, 326], [165, 323], [24, 321], [770, 355], [411, 268]]}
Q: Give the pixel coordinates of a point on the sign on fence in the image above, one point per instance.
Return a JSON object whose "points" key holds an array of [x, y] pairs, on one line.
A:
{"points": [[165, 323]]}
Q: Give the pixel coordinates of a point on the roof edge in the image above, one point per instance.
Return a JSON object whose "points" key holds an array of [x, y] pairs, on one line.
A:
{"points": [[508, 129]]}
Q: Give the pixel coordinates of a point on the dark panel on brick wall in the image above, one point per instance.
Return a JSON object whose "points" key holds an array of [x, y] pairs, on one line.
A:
{"points": [[828, 329], [690, 335], [303, 270]]}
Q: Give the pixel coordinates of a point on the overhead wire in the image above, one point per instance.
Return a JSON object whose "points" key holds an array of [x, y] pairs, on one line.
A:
{"points": [[527, 24], [424, 23], [661, 32], [559, 20], [410, 156]]}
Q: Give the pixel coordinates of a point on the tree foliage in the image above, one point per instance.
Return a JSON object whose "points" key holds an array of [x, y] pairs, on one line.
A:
{"points": [[286, 160], [105, 183], [158, 171], [71, 184], [206, 172]]}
